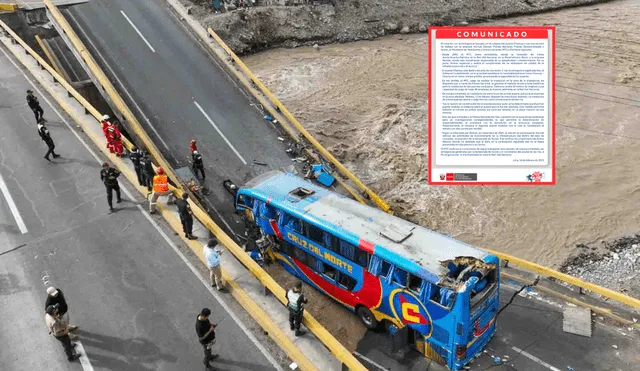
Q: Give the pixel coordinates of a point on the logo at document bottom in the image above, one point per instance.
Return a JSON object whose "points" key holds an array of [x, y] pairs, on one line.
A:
{"points": [[450, 176], [536, 176], [442, 176]]}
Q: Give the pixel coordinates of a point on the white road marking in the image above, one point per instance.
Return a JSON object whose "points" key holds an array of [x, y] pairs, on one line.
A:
{"points": [[219, 132], [215, 294], [12, 205], [84, 359], [138, 31], [122, 87], [534, 358]]}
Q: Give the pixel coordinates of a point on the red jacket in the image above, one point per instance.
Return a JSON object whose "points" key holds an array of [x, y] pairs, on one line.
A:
{"points": [[113, 133], [192, 146], [105, 126]]}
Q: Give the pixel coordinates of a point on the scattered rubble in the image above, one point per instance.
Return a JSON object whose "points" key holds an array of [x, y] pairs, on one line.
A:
{"points": [[614, 265]]}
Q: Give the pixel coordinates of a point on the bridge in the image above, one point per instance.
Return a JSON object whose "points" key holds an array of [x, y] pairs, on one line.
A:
{"points": [[177, 84]]}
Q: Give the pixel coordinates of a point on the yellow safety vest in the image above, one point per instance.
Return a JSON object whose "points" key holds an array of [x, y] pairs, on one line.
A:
{"points": [[160, 183]]}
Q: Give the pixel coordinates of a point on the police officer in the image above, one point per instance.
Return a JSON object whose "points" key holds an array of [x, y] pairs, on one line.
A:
{"points": [[295, 304], [186, 216], [147, 171], [33, 103], [197, 164], [135, 157], [110, 176], [46, 138]]}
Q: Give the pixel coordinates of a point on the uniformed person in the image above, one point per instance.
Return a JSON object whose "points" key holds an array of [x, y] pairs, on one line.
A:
{"points": [[160, 188], [135, 157], [34, 104], [186, 216], [147, 171], [295, 304], [46, 138], [109, 176], [198, 165]]}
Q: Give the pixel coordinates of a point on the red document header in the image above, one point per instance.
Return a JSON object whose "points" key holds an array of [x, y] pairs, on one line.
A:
{"points": [[491, 32]]}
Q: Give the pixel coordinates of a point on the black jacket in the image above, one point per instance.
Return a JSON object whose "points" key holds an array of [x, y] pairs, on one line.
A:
{"points": [[197, 161], [32, 101], [147, 166], [202, 327], [109, 176], [60, 300], [135, 158], [183, 208], [44, 133]]}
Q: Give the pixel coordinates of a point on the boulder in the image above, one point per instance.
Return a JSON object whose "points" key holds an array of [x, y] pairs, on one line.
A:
{"points": [[423, 27], [405, 30], [390, 26]]}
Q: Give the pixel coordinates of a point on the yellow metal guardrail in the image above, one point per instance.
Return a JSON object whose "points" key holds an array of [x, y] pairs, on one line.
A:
{"points": [[111, 91], [4, 7], [311, 323], [548, 272], [372, 195], [254, 310], [49, 55]]}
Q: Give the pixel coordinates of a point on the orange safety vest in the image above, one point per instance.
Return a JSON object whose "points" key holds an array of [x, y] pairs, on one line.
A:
{"points": [[160, 183]]}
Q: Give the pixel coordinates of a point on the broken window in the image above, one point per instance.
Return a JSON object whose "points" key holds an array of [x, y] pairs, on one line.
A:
{"points": [[385, 269], [415, 284], [400, 276]]}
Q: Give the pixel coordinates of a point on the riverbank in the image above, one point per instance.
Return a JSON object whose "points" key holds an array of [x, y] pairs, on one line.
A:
{"points": [[266, 27]]}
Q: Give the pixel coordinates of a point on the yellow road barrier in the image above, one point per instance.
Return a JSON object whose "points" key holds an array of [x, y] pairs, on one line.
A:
{"points": [[373, 196], [4, 7], [548, 272], [311, 323], [49, 55], [253, 308], [111, 91]]}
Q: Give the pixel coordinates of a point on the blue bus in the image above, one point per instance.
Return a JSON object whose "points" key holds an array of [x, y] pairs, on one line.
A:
{"points": [[442, 293]]}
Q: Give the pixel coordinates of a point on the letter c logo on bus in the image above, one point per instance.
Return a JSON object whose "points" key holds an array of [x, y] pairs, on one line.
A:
{"points": [[410, 311]]}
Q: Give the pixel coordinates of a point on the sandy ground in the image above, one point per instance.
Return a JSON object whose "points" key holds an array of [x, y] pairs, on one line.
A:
{"points": [[367, 102]]}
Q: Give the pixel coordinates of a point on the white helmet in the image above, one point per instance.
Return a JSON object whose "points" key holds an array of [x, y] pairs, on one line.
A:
{"points": [[195, 152], [105, 117]]}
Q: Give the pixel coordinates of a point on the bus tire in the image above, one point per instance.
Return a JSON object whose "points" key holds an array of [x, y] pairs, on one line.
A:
{"points": [[367, 317]]}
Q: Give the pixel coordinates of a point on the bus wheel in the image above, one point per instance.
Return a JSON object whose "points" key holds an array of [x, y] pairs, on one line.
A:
{"points": [[367, 318]]}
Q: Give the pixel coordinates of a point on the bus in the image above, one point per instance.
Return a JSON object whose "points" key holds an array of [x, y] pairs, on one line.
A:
{"points": [[440, 293]]}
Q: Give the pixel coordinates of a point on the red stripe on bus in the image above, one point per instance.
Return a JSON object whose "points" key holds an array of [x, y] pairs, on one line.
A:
{"points": [[366, 246], [274, 225]]}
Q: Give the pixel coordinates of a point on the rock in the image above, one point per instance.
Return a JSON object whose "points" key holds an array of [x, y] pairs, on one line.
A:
{"points": [[616, 256], [464, 23], [231, 7], [391, 26], [405, 30], [189, 10], [423, 27], [635, 246], [316, 46], [614, 346]]}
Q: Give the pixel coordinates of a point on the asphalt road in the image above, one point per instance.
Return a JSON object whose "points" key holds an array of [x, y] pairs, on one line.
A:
{"points": [[529, 338], [178, 92], [133, 297]]}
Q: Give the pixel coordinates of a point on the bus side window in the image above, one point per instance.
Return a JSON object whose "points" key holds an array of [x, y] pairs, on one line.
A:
{"points": [[400, 276], [346, 282], [385, 270], [300, 255], [347, 250], [330, 272], [441, 295], [362, 258], [315, 234], [415, 284], [288, 248], [293, 224], [245, 201]]}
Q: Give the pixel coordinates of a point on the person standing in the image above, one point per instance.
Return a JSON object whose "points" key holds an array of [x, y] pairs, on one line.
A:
{"points": [[147, 171], [104, 124], [135, 157], [34, 104], [186, 216], [295, 304], [59, 329], [109, 176], [56, 297], [114, 137], [212, 256], [206, 335], [198, 165], [46, 138], [160, 188]]}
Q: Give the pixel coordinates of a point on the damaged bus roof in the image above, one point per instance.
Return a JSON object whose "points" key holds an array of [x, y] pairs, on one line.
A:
{"points": [[428, 249]]}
